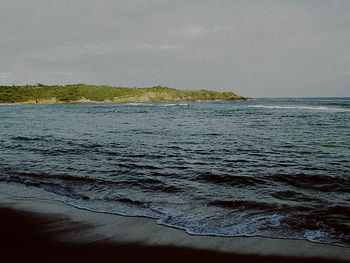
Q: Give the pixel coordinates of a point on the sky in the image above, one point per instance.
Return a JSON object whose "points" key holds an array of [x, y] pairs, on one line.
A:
{"points": [[254, 48]]}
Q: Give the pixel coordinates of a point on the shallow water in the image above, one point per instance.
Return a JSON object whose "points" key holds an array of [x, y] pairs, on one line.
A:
{"points": [[270, 167]]}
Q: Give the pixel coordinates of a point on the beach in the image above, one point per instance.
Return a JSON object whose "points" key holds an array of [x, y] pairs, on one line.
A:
{"points": [[42, 230], [175, 131], [168, 182]]}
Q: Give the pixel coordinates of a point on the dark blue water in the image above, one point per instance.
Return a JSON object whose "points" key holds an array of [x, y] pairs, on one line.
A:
{"points": [[269, 167]]}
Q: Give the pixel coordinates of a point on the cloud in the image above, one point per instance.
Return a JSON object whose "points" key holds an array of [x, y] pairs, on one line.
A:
{"points": [[192, 31], [256, 48]]}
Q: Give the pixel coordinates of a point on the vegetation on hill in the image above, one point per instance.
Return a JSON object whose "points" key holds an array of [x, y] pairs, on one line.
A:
{"points": [[84, 93]]}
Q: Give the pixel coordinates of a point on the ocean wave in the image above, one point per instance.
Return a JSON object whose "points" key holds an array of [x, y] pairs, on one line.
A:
{"points": [[233, 180], [244, 205], [175, 104], [125, 200], [151, 104], [322, 183], [65, 181], [311, 108], [293, 195]]}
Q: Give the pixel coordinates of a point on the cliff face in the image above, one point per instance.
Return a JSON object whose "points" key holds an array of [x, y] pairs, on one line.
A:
{"points": [[90, 93]]}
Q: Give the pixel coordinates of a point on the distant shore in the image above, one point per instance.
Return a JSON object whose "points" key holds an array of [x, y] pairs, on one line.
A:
{"points": [[85, 101], [81, 93], [40, 230]]}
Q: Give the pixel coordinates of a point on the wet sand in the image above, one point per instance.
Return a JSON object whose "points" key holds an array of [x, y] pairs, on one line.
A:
{"points": [[40, 230]]}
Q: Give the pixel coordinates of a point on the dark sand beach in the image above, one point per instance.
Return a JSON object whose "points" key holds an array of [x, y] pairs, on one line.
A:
{"points": [[27, 237], [46, 231]]}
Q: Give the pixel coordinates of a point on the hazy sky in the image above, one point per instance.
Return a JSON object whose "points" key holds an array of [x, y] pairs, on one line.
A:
{"points": [[255, 48]]}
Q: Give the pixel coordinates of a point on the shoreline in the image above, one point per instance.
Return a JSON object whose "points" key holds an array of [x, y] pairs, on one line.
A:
{"points": [[111, 102], [69, 230], [82, 93]]}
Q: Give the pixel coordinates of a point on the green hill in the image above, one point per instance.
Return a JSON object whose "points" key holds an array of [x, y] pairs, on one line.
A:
{"points": [[92, 93]]}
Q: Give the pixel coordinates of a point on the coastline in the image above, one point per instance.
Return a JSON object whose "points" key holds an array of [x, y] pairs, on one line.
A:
{"points": [[82, 93], [85, 101], [75, 234]]}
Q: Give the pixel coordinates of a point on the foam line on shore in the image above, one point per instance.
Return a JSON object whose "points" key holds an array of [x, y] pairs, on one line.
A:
{"points": [[145, 231]]}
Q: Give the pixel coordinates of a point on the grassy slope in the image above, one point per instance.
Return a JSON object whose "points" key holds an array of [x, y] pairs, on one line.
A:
{"points": [[75, 93]]}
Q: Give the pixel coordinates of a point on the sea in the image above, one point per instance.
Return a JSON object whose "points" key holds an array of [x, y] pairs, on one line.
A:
{"points": [[275, 168]]}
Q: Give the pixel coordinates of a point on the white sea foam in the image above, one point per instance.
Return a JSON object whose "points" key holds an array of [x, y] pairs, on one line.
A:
{"points": [[315, 235], [175, 104], [144, 104], [133, 103], [312, 108]]}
